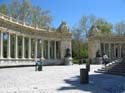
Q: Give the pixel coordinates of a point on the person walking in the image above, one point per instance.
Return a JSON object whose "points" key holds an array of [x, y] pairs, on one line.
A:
{"points": [[105, 59]]}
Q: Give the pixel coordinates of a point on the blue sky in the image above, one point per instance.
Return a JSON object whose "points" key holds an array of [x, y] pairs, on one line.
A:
{"points": [[72, 10]]}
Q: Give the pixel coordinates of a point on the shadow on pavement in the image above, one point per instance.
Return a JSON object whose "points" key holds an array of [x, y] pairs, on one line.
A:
{"points": [[98, 83]]}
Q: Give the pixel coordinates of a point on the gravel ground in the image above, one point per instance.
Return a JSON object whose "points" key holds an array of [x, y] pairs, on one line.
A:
{"points": [[58, 79]]}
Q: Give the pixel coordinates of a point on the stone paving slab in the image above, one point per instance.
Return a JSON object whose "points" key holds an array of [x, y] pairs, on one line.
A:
{"points": [[58, 79]]}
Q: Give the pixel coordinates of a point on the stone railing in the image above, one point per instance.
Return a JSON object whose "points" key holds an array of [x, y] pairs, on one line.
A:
{"points": [[19, 22]]}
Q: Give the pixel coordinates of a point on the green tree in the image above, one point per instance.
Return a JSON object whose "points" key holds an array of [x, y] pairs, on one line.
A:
{"points": [[36, 15], [14, 8], [78, 44], [46, 18], [40, 17], [80, 35], [103, 25], [24, 10], [3, 9], [86, 23], [79, 50], [120, 27]]}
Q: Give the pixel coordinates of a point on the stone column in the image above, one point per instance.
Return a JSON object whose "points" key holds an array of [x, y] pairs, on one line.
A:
{"points": [[29, 52], [16, 47], [36, 48], [42, 43], [48, 49], [70, 46], [120, 50], [55, 50], [114, 52], [23, 47], [9, 46], [1, 45], [109, 50], [104, 48]]}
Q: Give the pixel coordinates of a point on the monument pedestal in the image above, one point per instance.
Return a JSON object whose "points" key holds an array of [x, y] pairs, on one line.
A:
{"points": [[98, 60], [68, 61]]}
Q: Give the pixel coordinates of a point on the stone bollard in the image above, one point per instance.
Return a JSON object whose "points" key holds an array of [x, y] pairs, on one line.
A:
{"points": [[40, 66], [88, 66], [84, 78]]}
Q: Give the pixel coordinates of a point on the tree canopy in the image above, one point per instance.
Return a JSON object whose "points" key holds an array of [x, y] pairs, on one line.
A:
{"points": [[120, 27], [103, 25], [86, 23], [23, 10]]}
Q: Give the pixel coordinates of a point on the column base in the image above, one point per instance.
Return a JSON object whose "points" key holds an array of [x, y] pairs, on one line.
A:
{"points": [[16, 58], [9, 57], [29, 58], [68, 61], [42, 58], [23, 58], [1, 57]]}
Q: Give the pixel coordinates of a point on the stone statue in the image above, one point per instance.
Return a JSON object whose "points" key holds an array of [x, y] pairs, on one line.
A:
{"points": [[68, 58], [67, 53], [63, 27], [98, 53]]}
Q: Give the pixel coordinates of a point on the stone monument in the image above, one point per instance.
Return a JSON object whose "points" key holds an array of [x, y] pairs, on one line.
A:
{"points": [[68, 58]]}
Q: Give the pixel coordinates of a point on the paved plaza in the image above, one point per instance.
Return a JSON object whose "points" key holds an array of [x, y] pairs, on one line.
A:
{"points": [[58, 79]]}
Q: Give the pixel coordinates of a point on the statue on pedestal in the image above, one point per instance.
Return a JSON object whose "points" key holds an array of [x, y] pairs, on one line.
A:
{"points": [[67, 57]]}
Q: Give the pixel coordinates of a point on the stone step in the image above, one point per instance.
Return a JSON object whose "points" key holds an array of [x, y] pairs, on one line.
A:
{"points": [[116, 73], [98, 71], [114, 69], [117, 68], [111, 72]]}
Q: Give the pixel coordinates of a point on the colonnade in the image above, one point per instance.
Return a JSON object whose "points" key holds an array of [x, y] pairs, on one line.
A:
{"points": [[113, 50], [25, 47]]}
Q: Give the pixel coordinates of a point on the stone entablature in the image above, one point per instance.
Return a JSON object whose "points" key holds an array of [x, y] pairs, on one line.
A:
{"points": [[108, 37]]}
